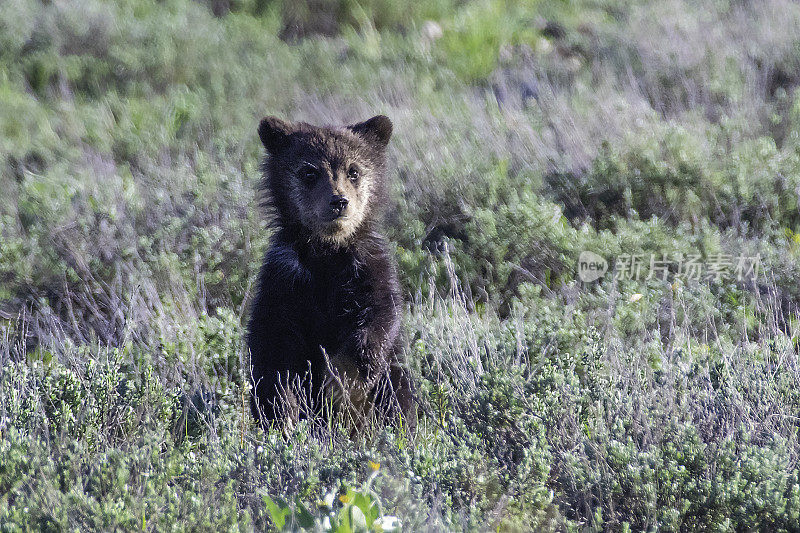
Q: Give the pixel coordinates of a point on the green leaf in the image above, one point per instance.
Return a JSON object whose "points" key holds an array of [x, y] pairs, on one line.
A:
{"points": [[345, 524], [304, 518], [357, 519], [277, 511], [368, 506]]}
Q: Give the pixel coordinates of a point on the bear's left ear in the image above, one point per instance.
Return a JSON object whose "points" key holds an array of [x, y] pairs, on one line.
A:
{"points": [[377, 130], [274, 133]]}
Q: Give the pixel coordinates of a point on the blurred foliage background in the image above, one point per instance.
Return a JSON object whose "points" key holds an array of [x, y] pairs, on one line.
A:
{"points": [[525, 132]]}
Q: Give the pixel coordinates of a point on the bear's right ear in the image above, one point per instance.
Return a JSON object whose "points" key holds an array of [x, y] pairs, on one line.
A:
{"points": [[376, 130], [274, 133]]}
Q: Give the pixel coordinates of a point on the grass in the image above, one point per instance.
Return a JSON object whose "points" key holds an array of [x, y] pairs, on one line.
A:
{"points": [[525, 133]]}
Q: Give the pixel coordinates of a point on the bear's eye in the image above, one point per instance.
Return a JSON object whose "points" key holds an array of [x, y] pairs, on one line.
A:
{"points": [[309, 174], [353, 173]]}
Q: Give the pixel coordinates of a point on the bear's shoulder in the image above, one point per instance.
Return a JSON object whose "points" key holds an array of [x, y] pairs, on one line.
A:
{"points": [[282, 263]]}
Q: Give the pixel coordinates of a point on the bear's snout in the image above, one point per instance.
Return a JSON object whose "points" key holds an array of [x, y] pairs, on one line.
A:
{"points": [[338, 204]]}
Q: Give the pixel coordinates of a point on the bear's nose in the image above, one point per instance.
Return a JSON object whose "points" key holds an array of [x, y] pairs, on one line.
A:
{"points": [[338, 203]]}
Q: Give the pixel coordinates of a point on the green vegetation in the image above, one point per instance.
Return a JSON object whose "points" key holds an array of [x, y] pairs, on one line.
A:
{"points": [[526, 133]]}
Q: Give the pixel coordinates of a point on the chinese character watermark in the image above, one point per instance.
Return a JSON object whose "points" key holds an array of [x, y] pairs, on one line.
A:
{"points": [[686, 267]]}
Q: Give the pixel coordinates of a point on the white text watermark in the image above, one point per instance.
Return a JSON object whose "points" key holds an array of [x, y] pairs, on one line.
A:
{"points": [[686, 267]]}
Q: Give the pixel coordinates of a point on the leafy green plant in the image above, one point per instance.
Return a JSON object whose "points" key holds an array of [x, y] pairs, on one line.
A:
{"points": [[356, 510]]}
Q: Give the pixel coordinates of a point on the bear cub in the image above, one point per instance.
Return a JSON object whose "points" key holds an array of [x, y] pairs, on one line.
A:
{"points": [[325, 320]]}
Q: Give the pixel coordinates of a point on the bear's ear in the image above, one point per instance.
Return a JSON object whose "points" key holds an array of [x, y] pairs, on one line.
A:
{"points": [[377, 130], [274, 133]]}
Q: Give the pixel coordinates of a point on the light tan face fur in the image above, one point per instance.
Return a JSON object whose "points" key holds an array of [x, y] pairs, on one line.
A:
{"points": [[312, 172], [319, 181]]}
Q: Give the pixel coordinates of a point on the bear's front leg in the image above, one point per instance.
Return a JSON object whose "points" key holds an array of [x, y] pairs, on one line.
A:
{"points": [[366, 369]]}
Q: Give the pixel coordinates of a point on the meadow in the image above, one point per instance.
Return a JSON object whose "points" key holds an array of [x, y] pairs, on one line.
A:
{"points": [[662, 136]]}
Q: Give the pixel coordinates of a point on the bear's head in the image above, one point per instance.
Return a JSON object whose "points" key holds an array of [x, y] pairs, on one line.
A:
{"points": [[326, 181]]}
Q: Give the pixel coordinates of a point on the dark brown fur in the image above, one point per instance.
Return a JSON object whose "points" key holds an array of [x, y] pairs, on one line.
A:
{"points": [[327, 311]]}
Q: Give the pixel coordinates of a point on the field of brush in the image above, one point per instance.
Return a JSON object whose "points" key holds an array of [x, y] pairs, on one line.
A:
{"points": [[662, 136]]}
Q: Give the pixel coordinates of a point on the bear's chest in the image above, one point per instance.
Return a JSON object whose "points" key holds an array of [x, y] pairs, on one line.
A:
{"points": [[339, 304]]}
